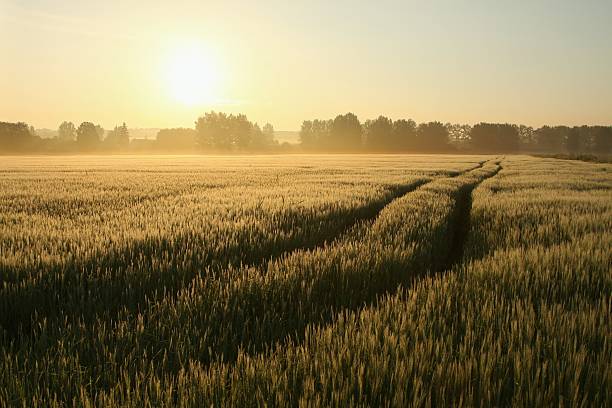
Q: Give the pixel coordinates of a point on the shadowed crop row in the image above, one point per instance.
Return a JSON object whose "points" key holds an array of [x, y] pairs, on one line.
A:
{"points": [[163, 234]]}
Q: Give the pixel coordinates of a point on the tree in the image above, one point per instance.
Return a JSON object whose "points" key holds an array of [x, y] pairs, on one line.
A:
{"points": [[67, 132], [379, 134], [262, 139], [307, 135], [241, 131], [213, 131], [574, 142], [177, 139], [458, 135], [494, 137], [432, 136], [268, 130], [507, 138], [257, 138], [314, 134], [602, 139], [526, 137], [345, 133], [118, 138], [404, 134], [16, 137], [123, 134], [268, 134], [483, 137], [551, 139], [229, 132], [87, 136]]}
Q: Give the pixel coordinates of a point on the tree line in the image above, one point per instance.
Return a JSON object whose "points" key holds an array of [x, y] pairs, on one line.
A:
{"points": [[214, 132], [218, 132], [21, 138], [347, 133]]}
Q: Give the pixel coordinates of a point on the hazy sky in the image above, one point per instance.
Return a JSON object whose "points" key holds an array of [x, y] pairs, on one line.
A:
{"points": [[111, 61]]}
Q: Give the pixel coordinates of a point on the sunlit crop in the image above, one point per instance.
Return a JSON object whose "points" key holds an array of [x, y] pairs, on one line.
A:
{"points": [[305, 280]]}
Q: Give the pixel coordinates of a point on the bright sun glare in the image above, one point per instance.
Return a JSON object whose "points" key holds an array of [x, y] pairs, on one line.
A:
{"points": [[192, 76]]}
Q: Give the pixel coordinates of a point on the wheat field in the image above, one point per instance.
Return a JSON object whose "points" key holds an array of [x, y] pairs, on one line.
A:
{"points": [[305, 280]]}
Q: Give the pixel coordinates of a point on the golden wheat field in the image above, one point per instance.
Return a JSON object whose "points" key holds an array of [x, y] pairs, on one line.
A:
{"points": [[305, 280]]}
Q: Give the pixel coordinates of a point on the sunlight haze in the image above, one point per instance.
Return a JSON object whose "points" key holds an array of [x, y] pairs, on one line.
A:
{"points": [[162, 64], [305, 203]]}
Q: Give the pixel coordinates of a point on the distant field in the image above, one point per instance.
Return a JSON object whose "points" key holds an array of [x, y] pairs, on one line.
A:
{"points": [[304, 280]]}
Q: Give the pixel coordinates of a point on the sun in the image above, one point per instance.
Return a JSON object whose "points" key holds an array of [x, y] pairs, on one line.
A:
{"points": [[192, 76]]}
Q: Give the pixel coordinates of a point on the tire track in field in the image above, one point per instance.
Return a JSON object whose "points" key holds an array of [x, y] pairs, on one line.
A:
{"points": [[324, 318], [258, 313], [461, 227], [397, 192], [83, 291]]}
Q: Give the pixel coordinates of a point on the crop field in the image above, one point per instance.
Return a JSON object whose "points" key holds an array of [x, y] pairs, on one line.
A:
{"points": [[305, 280]]}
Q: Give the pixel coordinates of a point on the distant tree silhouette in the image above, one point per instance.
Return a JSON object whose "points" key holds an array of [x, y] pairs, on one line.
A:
{"points": [[379, 134], [508, 138], [262, 139], [67, 132], [345, 133], [268, 133], [458, 134], [177, 139], [214, 131], [314, 134], [257, 138], [495, 137], [307, 136], [223, 132], [308, 139], [241, 131], [574, 142], [88, 137], [17, 137], [526, 136], [118, 138], [551, 139], [404, 134], [432, 136], [602, 139], [123, 135]]}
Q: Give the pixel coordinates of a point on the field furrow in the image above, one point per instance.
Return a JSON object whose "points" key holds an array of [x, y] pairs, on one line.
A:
{"points": [[251, 309], [485, 284], [126, 273], [521, 326], [158, 266]]}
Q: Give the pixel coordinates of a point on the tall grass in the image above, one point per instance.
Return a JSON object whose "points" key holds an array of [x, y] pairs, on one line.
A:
{"points": [[90, 242], [251, 308], [522, 319]]}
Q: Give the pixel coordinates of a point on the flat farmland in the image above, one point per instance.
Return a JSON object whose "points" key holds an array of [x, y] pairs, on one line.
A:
{"points": [[305, 280]]}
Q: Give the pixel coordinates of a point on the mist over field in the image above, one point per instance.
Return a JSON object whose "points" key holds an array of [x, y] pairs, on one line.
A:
{"points": [[305, 204]]}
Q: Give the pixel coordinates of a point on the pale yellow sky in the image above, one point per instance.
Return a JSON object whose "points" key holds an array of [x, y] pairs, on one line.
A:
{"points": [[282, 62]]}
